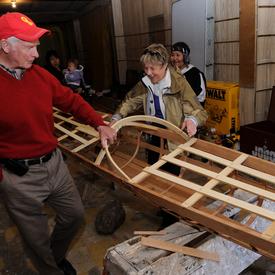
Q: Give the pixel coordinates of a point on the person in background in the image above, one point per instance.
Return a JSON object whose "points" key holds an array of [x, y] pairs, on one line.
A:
{"points": [[180, 59], [32, 171], [53, 65], [165, 94]]}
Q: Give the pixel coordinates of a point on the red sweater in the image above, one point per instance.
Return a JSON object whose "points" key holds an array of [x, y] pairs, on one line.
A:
{"points": [[26, 116]]}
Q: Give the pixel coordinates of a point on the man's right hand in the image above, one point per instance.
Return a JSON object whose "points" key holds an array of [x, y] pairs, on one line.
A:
{"points": [[107, 135]]}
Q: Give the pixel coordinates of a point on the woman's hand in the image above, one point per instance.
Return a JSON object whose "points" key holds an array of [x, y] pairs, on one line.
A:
{"points": [[190, 126]]}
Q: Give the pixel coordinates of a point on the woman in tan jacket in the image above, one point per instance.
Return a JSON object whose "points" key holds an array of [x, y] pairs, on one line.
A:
{"points": [[165, 94]]}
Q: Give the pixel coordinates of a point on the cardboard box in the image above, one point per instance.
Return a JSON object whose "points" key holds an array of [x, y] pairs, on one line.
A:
{"points": [[258, 139], [222, 105]]}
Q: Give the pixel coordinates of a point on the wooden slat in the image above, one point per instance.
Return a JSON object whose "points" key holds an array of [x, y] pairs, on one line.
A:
{"points": [[141, 176], [181, 249], [65, 136], [211, 184], [69, 133], [269, 233], [255, 173], [223, 177], [209, 156], [80, 127], [161, 233], [241, 168], [213, 194], [82, 146], [181, 196]]}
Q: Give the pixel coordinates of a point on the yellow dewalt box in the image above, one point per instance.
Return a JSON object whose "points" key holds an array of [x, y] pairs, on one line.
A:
{"points": [[222, 105]]}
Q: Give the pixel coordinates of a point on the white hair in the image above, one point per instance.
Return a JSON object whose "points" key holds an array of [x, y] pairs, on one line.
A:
{"points": [[13, 40], [10, 40]]}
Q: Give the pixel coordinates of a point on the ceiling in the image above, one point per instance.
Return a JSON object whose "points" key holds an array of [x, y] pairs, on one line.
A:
{"points": [[48, 11]]}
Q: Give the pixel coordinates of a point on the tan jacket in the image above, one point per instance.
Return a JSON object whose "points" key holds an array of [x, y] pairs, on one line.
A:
{"points": [[180, 101]]}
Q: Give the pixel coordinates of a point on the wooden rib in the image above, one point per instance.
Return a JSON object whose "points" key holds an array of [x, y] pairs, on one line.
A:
{"points": [[116, 166], [154, 130], [178, 248], [136, 150], [100, 157], [126, 121], [269, 233], [213, 194], [143, 175]]}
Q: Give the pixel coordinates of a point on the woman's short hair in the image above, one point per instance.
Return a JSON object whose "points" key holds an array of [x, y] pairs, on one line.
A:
{"points": [[155, 53]]}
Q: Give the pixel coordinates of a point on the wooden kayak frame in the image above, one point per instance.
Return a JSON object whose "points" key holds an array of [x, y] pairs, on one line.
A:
{"points": [[225, 166]]}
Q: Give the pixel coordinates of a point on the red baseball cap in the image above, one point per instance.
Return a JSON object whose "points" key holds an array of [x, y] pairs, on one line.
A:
{"points": [[19, 25]]}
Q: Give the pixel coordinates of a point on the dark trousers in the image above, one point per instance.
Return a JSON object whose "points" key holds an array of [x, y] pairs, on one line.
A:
{"points": [[24, 197], [152, 157]]}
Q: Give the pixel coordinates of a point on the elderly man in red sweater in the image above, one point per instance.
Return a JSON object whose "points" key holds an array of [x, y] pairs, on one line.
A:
{"points": [[32, 170]]}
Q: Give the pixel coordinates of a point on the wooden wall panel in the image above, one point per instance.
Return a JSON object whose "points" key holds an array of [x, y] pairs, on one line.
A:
{"points": [[262, 105], [266, 2], [167, 11], [227, 31], [144, 40], [266, 49], [152, 8], [98, 67], [227, 53], [266, 24], [133, 49], [225, 9], [118, 22], [133, 17], [119, 41], [120, 46], [265, 70], [265, 76], [247, 102], [229, 73]]}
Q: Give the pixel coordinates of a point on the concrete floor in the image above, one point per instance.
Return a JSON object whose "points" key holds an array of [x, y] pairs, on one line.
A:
{"points": [[88, 249]]}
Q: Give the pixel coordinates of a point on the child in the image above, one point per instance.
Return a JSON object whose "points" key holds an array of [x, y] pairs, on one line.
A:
{"points": [[74, 76]]}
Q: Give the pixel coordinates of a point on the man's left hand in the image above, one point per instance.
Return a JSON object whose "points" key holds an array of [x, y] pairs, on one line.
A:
{"points": [[107, 135]]}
